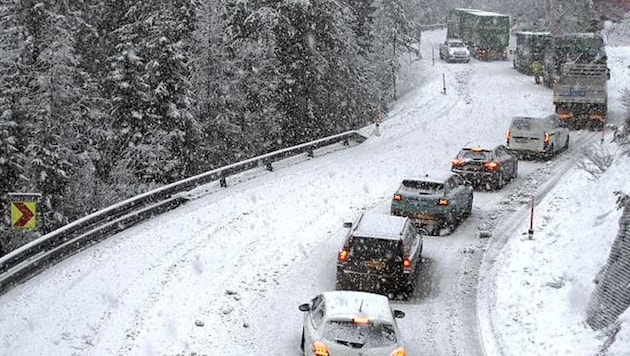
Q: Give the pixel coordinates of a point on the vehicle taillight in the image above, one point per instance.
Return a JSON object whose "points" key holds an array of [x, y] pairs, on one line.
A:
{"points": [[344, 255], [398, 197], [565, 116], [407, 264], [547, 142], [457, 163], [492, 166], [444, 202], [597, 117], [319, 349], [399, 352]]}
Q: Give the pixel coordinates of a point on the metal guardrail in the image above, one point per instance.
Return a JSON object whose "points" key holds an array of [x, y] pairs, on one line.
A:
{"points": [[34, 257]]}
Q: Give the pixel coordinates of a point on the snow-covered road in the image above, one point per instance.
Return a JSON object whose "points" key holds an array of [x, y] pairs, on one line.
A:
{"points": [[241, 259]]}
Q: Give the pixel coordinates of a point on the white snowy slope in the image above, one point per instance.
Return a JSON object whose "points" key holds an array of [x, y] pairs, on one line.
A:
{"points": [[241, 259]]}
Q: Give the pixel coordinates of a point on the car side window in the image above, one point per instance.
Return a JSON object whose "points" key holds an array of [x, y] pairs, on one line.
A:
{"points": [[317, 313]]}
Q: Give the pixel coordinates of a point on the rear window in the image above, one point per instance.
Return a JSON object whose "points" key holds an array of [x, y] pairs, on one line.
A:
{"points": [[470, 154], [529, 124], [356, 336], [423, 186], [369, 248]]}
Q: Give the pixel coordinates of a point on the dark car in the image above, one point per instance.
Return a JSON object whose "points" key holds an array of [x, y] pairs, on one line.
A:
{"points": [[439, 199], [487, 168], [382, 254]]}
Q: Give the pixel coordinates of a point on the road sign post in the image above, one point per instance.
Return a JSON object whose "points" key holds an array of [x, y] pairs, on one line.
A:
{"points": [[530, 232], [24, 211]]}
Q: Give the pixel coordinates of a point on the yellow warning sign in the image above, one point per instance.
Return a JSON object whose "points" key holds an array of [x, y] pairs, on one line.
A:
{"points": [[24, 215]]}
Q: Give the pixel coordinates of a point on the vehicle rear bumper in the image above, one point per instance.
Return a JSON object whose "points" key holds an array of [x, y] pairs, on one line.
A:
{"points": [[476, 177], [428, 221], [371, 282]]}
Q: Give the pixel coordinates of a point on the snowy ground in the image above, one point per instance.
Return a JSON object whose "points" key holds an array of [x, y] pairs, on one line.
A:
{"points": [[241, 259]]}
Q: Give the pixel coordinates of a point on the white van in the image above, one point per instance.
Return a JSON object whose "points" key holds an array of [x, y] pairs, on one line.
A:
{"points": [[537, 136]]}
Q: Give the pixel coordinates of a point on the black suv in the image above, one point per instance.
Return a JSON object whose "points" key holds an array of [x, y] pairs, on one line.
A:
{"points": [[382, 254]]}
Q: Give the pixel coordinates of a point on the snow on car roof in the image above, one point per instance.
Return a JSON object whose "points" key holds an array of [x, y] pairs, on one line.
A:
{"points": [[379, 225], [436, 176], [350, 304]]}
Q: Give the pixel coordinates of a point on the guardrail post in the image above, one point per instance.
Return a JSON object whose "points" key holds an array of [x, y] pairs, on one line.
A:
{"points": [[269, 166], [310, 154], [223, 182], [346, 142]]}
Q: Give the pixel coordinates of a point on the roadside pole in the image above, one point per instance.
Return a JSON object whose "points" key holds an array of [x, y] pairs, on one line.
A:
{"points": [[530, 232]]}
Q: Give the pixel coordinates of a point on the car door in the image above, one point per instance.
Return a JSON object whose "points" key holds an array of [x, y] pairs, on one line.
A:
{"points": [[413, 241], [313, 322], [559, 133], [457, 193], [507, 160], [467, 192]]}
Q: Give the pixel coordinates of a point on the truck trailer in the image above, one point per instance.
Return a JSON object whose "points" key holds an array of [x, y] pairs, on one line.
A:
{"points": [[581, 95], [575, 66], [487, 34]]}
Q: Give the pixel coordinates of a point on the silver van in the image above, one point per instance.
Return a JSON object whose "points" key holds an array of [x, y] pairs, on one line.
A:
{"points": [[537, 136]]}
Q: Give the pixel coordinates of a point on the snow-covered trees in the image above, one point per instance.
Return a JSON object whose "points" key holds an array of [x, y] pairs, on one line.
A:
{"points": [[103, 100]]}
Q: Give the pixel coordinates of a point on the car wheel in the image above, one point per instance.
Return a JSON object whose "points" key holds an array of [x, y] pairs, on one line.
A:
{"points": [[515, 170], [302, 342], [500, 183], [339, 285], [468, 210], [451, 221], [566, 144]]}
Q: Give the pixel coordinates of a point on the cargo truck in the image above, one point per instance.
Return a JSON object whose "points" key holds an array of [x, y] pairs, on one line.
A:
{"points": [[486, 33], [575, 66], [581, 96]]}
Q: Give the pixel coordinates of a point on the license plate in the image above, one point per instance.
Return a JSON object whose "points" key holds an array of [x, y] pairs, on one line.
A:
{"points": [[375, 264]]}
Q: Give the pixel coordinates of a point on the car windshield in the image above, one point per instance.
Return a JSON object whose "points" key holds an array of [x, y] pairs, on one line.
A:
{"points": [[348, 333], [424, 186], [472, 154], [369, 248], [456, 44]]}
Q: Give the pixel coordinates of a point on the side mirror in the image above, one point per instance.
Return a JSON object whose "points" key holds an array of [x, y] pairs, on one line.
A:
{"points": [[399, 314], [347, 225], [305, 307]]}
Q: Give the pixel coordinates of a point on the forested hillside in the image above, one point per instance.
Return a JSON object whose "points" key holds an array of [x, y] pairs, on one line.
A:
{"points": [[102, 100]]}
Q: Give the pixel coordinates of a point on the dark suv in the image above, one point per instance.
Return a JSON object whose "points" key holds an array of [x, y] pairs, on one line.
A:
{"points": [[382, 254]]}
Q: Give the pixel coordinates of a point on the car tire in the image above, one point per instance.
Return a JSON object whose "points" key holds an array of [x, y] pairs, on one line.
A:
{"points": [[500, 182], [468, 210], [515, 171], [339, 285], [451, 222], [302, 342], [566, 144]]}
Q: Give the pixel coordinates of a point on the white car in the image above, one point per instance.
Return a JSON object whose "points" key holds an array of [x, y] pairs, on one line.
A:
{"points": [[454, 50], [351, 323], [537, 136]]}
